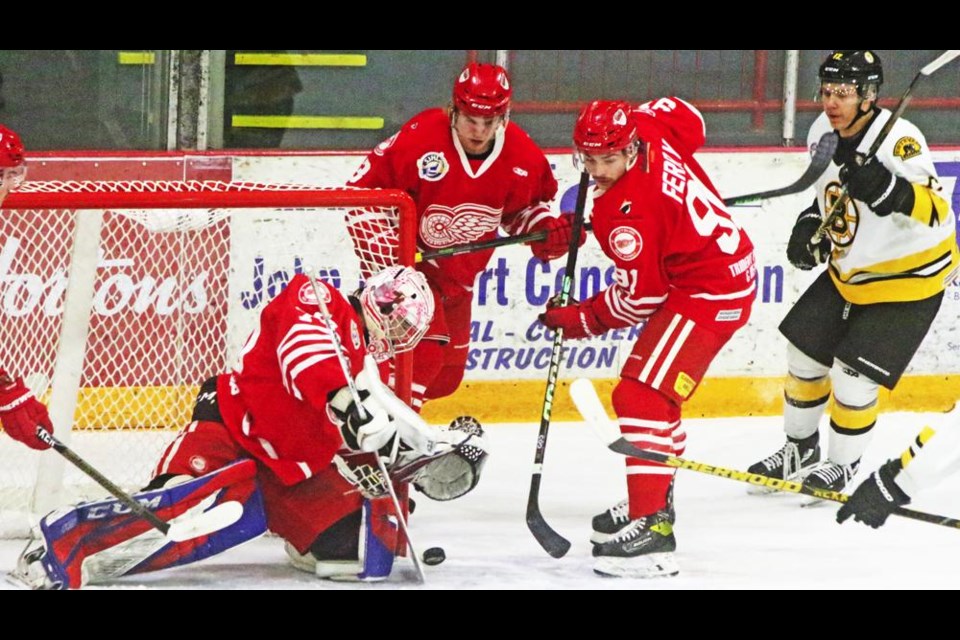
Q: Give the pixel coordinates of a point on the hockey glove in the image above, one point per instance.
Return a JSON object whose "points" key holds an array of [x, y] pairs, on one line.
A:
{"points": [[373, 430], [800, 252], [876, 497], [557, 243], [577, 319], [881, 190], [21, 412]]}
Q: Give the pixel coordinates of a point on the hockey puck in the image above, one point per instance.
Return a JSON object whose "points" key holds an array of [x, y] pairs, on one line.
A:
{"points": [[434, 556]]}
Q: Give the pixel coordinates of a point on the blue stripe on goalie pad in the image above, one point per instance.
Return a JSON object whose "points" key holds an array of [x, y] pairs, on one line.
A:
{"points": [[98, 541]]}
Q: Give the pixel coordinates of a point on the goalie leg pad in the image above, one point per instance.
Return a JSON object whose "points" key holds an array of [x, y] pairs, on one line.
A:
{"points": [[359, 547], [98, 541]]}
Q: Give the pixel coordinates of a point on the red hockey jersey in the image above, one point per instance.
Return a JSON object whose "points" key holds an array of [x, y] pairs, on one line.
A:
{"points": [[667, 231], [274, 402], [460, 200]]}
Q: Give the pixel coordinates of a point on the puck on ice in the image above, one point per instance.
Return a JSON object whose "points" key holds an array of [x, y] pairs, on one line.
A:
{"points": [[434, 556]]}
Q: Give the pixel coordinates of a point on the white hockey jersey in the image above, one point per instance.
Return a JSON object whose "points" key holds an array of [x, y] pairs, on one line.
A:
{"points": [[934, 455], [900, 257]]}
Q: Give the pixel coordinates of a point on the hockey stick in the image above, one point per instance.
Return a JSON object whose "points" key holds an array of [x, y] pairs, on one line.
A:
{"points": [[220, 516], [590, 407], [536, 236], [840, 204], [552, 542], [822, 156], [358, 402]]}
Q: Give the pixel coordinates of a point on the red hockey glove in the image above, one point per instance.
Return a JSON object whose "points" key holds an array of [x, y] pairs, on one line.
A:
{"points": [[576, 319], [557, 243], [21, 412]]}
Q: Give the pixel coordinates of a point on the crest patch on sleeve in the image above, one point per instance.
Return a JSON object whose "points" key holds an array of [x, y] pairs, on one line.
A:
{"points": [[906, 148]]}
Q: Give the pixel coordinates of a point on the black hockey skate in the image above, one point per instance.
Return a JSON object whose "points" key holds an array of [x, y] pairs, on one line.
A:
{"points": [[792, 461], [642, 549]]}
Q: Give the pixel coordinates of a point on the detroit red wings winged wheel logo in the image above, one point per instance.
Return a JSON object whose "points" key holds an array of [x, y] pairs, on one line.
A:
{"points": [[443, 226], [626, 242]]}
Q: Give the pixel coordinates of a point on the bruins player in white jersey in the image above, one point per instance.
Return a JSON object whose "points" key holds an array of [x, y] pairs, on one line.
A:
{"points": [[933, 455], [890, 256]]}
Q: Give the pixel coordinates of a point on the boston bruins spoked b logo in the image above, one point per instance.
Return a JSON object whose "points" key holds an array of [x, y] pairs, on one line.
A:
{"points": [[844, 228]]}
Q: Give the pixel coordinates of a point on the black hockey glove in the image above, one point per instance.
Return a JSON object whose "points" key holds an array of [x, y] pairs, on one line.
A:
{"points": [[876, 497], [800, 252], [881, 190]]}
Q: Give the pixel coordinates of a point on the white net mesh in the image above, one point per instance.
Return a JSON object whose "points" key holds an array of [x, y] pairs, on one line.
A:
{"points": [[175, 288]]}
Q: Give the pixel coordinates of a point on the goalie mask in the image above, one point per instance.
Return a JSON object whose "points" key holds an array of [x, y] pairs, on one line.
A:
{"points": [[398, 306], [12, 168], [482, 91]]}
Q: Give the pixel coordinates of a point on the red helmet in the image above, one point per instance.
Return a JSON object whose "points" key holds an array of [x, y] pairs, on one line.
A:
{"points": [[482, 90], [11, 149], [605, 126]]}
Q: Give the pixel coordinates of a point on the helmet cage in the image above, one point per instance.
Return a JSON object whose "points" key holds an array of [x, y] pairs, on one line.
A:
{"points": [[398, 307]]}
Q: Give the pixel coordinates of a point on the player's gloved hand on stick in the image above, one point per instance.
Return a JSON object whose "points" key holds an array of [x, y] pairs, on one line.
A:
{"points": [[557, 243], [373, 430], [876, 497], [800, 251], [21, 412], [874, 184], [577, 319]]}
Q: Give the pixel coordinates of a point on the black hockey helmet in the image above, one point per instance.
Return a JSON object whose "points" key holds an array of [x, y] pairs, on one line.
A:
{"points": [[860, 68]]}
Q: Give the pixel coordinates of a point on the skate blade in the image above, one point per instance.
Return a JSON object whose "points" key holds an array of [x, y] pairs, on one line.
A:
{"points": [[651, 565]]}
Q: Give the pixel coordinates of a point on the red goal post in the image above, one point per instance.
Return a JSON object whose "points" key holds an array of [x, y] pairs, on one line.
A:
{"points": [[117, 299]]}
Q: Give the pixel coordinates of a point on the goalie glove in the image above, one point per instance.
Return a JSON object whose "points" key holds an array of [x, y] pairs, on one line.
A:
{"points": [[443, 476], [455, 474]]}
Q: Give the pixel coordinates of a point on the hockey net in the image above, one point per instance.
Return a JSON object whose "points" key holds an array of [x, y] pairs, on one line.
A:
{"points": [[117, 299]]}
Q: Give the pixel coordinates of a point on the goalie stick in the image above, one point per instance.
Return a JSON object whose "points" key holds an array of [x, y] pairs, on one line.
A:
{"points": [[219, 517], [822, 156], [588, 404], [351, 383], [551, 541], [840, 204]]}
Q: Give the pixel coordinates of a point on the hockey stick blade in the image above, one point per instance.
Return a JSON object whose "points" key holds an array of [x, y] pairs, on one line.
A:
{"points": [[822, 156], [552, 542], [588, 403]]}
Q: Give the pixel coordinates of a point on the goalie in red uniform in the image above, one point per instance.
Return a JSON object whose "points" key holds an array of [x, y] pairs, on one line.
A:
{"points": [[685, 272], [283, 425], [20, 411], [471, 172]]}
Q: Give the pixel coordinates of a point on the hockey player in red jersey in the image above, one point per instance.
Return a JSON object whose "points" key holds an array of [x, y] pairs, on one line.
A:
{"points": [[471, 171], [20, 411], [287, 406], [685, 272]]}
